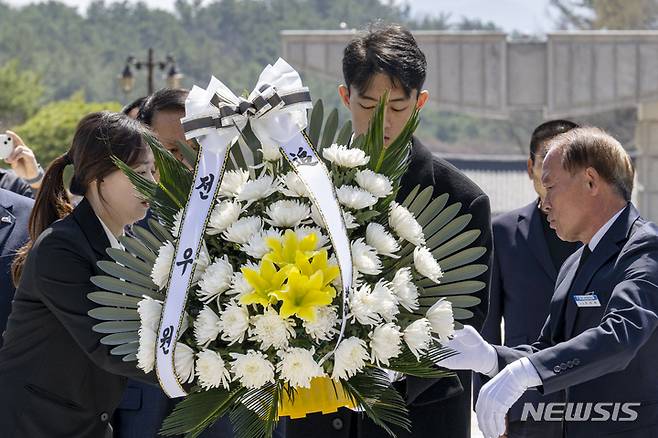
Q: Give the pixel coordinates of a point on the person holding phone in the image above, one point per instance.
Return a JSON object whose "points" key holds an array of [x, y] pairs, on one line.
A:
{"points": [[57, 379], [26, 173]]}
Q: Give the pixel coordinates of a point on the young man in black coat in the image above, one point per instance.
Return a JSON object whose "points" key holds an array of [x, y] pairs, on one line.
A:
{"points": [[388, 58]]}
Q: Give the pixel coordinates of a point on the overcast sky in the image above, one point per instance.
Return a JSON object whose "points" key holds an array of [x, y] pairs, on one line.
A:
{"points": [[527, 16]]}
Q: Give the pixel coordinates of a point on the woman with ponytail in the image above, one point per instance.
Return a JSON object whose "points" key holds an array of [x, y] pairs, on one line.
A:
{"points": [[56, 378]]}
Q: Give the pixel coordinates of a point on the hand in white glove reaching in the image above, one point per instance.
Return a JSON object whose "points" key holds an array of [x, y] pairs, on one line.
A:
{"points": [[473, 352], [500, 393]]}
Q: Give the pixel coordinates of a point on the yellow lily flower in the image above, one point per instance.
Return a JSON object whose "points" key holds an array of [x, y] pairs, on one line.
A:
{"points": [[265, 280], [284, 250], [302, 295]]}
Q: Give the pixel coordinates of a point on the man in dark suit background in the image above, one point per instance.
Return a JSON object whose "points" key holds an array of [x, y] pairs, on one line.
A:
{"points": [[527, 257], [14, 218], [599, 343], [387, 58]]}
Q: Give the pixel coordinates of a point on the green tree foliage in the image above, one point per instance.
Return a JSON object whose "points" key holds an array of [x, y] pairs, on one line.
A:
{"points": [[50, 131], [20, 93], [607, 14]]}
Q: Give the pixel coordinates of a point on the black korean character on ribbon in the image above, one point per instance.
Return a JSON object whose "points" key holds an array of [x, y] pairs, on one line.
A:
{"points": [[165, 341], [187, 260], [205, 186], [303, 157]]}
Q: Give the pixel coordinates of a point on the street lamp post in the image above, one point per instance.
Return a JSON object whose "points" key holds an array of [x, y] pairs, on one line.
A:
{"points": [[127, 79]]}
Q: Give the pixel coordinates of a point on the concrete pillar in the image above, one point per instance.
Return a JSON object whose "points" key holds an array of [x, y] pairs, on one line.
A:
{"points": [[646, 162]]}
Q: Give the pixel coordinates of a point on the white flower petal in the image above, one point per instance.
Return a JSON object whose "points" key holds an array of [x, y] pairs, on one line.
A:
{"points": [[287, 213], [232, 182], [350, 358], [223, 216], [252, 369], [418, 336], [380, 239], [442, 319], [297, 367], [271, 330], [405, 224], [257, 245], [323, 327], [405, 290], [211, 370], [385, 343], [233, 323], [184, 362], [243, 229], [162, 265], [375, 183], [426, 264], [364, 258], [344, 156], [355, 197], [259, 188], [292, 186], [206, 327]]}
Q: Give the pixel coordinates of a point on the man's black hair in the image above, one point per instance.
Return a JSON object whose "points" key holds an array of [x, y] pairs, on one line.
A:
{"points": [[166, 99], [547, 131], [137, 103], [388, 49]]}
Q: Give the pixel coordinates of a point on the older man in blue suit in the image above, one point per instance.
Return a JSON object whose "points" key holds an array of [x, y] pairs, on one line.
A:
{"points": [[599, 343], [14, 218], [527, 257]]}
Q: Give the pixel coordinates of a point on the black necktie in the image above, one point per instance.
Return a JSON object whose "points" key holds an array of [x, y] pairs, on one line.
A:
{"points": [[571, 304], [583, 258]]}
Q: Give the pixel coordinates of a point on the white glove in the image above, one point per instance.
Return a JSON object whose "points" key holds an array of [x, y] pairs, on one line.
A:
{"points": [[474, 353], [500, 393]]}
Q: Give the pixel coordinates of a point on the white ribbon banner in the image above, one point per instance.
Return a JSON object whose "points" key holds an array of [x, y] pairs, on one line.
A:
{"points": [[276, 109]]}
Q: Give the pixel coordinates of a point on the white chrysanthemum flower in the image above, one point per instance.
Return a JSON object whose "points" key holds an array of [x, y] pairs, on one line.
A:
{"points": [[365, 258], [380, 239], [271, 152], [184, 363], [233, 181], [350, 220], [162, 265], [233, 323], [304, 231], [418, 336], [344, 156], [355, 197], [385, 343], [211, 370], [426, 264], [292, 186], [363, 306], [146, 349], [257, 245], [323, 327], [206, 327], [271, 330], [223, 216], [405, 290], [259, 188], [405, 224], [252, 369], [442, 319], [297, 367], [287, 213], [178, 219], [215, 280], [386, 303], [239, 285], [350, 358], [375, 183], [149, 311], [243, 229]]}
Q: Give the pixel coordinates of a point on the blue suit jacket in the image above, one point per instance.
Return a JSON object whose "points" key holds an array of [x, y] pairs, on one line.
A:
{"points": [[606, 353], [14, 218], [522, 284]]}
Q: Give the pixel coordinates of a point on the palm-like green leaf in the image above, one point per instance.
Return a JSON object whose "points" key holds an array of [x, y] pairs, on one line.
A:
{"points": [[329, 130], [198, 411], [190, 155], [345, 133], [256, 414], [446, 239], [407, 363], [371, 390], [315, 123]]}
